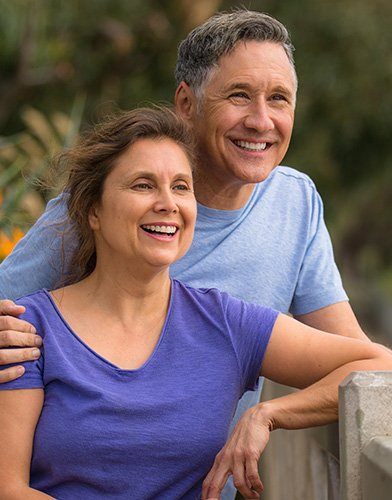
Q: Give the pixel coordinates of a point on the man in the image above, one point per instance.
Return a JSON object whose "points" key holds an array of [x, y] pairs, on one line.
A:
{"points": [[260, 233]]}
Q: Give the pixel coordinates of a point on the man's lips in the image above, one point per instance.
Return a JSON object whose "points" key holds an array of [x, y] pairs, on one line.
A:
{"points": [[251, 146]]}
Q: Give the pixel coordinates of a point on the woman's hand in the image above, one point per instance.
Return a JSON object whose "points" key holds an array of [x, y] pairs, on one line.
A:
{"points": [[240, 456]]}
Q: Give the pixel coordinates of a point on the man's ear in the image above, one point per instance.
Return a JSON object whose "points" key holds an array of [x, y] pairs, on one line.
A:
{"points": [[185, 102], [93, 218]]}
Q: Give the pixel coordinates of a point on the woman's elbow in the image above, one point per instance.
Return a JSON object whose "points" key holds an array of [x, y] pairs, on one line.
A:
{"points": [[380, 357]]}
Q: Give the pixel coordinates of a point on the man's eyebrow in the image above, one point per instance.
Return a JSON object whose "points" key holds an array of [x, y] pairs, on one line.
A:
{"points": [[282, 89], [246, 86], [237, 85]]}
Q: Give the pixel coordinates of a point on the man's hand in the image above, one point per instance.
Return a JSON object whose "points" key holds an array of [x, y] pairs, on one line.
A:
{"points": [[240, 456], [15, 332]]}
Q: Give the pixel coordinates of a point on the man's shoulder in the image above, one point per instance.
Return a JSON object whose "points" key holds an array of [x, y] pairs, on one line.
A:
{"points": [[290, 175]]}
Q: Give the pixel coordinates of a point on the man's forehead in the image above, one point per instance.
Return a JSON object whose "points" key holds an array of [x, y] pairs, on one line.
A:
{"points": [[239, 58]]}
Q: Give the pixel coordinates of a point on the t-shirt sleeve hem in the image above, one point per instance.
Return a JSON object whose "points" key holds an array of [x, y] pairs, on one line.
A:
{"points": [[312, 303], [22, 383]]}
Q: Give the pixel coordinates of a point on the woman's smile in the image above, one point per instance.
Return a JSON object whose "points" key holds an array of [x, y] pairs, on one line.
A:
{"points": [[147, 210]]}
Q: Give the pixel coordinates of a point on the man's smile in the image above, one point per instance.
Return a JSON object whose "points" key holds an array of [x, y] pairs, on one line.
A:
{"points": [[251, 145]]}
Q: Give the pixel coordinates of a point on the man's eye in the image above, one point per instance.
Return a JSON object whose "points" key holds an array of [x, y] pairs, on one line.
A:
{"points": [[239, 95], [278, 97]]}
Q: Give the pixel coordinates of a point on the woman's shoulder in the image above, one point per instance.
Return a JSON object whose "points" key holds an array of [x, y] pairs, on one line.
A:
{"points": [[217, 300], [33, 299], [39, 308], [201, 293], [210, 298]]}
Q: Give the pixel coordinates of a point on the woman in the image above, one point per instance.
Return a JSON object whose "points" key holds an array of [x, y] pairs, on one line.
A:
{"points": [[140, 374]]}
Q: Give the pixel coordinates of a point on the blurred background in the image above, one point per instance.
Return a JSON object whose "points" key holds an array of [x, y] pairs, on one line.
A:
{"points": [[64, 64]]}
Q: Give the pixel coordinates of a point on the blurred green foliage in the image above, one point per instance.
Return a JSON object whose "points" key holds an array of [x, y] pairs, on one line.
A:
{"points": [[121, 53]]}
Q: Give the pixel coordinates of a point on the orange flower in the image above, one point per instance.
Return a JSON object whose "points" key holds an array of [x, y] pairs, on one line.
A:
{"points": [[7, 243]]}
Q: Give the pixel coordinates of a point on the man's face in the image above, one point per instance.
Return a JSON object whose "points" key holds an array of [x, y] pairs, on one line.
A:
{"points": [[244, 123]]}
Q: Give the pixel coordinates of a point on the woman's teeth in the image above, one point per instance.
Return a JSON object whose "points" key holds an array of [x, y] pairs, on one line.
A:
{"points": [[160, 229]]}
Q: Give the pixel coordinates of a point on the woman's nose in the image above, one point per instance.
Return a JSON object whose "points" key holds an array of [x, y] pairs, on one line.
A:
{"points": [[165, 202]]}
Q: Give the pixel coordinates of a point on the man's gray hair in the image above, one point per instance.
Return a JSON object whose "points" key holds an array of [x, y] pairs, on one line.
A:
{"points": [[201, 50]]}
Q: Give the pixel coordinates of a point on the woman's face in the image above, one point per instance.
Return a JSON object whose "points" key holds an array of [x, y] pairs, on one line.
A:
{"points": [[147, 211]]}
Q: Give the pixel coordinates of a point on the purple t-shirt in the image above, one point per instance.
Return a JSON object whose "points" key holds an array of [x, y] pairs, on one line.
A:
{"points": [[105, 432]]}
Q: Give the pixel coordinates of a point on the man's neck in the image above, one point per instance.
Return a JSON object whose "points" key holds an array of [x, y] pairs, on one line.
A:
{"points": [[222, 197]]}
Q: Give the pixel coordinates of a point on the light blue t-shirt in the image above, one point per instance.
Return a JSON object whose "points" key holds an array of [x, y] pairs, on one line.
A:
{"points": [[149, 433], [275, 251]]}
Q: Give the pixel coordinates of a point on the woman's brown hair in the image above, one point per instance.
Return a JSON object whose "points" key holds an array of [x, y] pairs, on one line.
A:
{"points": [[87, 165]]}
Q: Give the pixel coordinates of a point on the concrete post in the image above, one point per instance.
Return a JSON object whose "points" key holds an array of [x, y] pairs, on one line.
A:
{"points": [[365, 412], [376, 469]]}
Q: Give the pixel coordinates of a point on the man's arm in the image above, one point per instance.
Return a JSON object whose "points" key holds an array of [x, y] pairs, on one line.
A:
{"points": [[320, 300], [41, 258], [38, 261], [337, 318]]}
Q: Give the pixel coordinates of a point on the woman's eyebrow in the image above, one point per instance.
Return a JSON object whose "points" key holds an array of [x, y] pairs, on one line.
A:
{"points": [[143, 174]]}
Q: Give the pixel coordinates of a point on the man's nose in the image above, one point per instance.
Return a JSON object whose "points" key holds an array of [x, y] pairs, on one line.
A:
{"points": [[259, 116], [165, 201]]}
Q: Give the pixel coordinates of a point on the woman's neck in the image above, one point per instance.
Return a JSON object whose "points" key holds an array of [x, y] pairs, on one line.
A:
{"points": [[125, 295]]}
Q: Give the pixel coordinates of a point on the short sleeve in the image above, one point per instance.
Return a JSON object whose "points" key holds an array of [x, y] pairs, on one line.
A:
{"points": [[34, 370], [31, 379], [41, 258], [250, 327], [319, 283]]}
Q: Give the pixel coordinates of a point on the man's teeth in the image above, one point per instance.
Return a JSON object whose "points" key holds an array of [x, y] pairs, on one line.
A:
{"points": [[161, 229], [252, 146]]}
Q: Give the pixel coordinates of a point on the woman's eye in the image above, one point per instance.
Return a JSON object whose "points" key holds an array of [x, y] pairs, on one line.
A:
{"points": [[142, 186], [181, 187]]}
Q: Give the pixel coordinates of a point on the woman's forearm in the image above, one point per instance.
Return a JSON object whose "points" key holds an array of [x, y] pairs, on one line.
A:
{"points": [[315, 405], [318, 403], [312, 406]]}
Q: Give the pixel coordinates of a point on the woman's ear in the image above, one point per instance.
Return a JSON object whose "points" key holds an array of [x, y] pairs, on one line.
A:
{"points": [[185, 102], [93, 218]]}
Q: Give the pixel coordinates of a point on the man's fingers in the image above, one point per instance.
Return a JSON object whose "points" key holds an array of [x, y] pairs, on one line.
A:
{"points": [[11, 374], [15, 324], [9, 307], [11, 338], [10, 356]]}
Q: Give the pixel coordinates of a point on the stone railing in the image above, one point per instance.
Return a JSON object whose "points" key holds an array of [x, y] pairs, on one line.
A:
{"points": [[304, 464], [365, 417]]}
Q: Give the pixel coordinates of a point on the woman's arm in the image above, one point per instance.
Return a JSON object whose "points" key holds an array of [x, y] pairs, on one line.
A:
{"points": [[302, 357], [19, 413]]}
